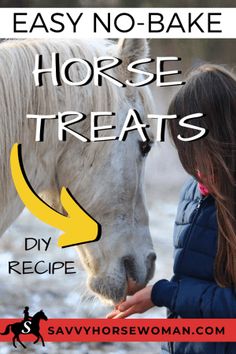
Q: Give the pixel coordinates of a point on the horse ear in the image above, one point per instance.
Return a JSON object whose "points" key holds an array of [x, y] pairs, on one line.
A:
{"points": [[130, 50], [133, 49]]}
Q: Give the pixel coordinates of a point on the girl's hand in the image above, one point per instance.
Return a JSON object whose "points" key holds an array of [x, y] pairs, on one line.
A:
{"points": [[138, 303]]}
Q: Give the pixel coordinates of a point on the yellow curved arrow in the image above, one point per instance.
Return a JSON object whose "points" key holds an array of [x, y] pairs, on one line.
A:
{"points": [[79, 227]]}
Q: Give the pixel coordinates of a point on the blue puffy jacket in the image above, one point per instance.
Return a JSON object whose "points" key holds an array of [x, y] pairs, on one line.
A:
{"points": [[193, 292]]}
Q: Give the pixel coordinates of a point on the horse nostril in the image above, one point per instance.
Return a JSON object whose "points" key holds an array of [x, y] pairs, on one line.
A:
{"points": [[129, 265], [151, 265], [128, 260], [152, 257]]}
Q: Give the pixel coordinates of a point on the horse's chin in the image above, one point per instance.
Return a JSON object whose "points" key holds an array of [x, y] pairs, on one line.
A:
{"points": [[113, 291]]}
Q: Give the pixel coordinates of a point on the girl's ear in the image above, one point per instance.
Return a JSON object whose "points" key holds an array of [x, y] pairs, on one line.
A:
{"points": [[132, 49]]}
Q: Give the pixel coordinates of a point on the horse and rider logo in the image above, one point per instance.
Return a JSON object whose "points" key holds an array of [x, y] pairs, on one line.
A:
{"points": [[29, 325]]}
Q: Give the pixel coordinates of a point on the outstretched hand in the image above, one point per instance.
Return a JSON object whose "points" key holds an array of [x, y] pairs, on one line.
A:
{"points": [[138, 303]]}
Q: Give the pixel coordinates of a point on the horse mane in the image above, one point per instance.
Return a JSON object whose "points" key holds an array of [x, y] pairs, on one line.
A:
{"points": [[37, 313], [20, 97]]}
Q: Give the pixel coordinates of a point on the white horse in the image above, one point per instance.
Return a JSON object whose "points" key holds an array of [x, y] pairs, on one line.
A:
{"points": [[106, 177]]}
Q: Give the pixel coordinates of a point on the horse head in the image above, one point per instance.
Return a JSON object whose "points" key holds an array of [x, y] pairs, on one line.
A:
{"points": [[40, 315], [106, 177], [108, 180]]}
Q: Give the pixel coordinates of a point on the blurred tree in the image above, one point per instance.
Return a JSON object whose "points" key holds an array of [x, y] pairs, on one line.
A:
{"points": [[16, 3], [196, 51], [117, 3], [192, 51], [40, 3]]}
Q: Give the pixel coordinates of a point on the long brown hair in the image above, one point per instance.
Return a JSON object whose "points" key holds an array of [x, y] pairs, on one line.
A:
{"points": [[211, 90]]}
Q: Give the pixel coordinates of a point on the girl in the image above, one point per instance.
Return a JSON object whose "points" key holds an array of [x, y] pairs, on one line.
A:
{"points": [[204, 281]]}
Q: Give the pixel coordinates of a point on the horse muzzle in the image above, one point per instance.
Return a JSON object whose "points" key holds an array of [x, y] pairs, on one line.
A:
{"points": [[131, 277]]}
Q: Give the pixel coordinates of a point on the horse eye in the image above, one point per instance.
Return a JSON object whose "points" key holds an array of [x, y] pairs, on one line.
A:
{"points": [[145, 147]]}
